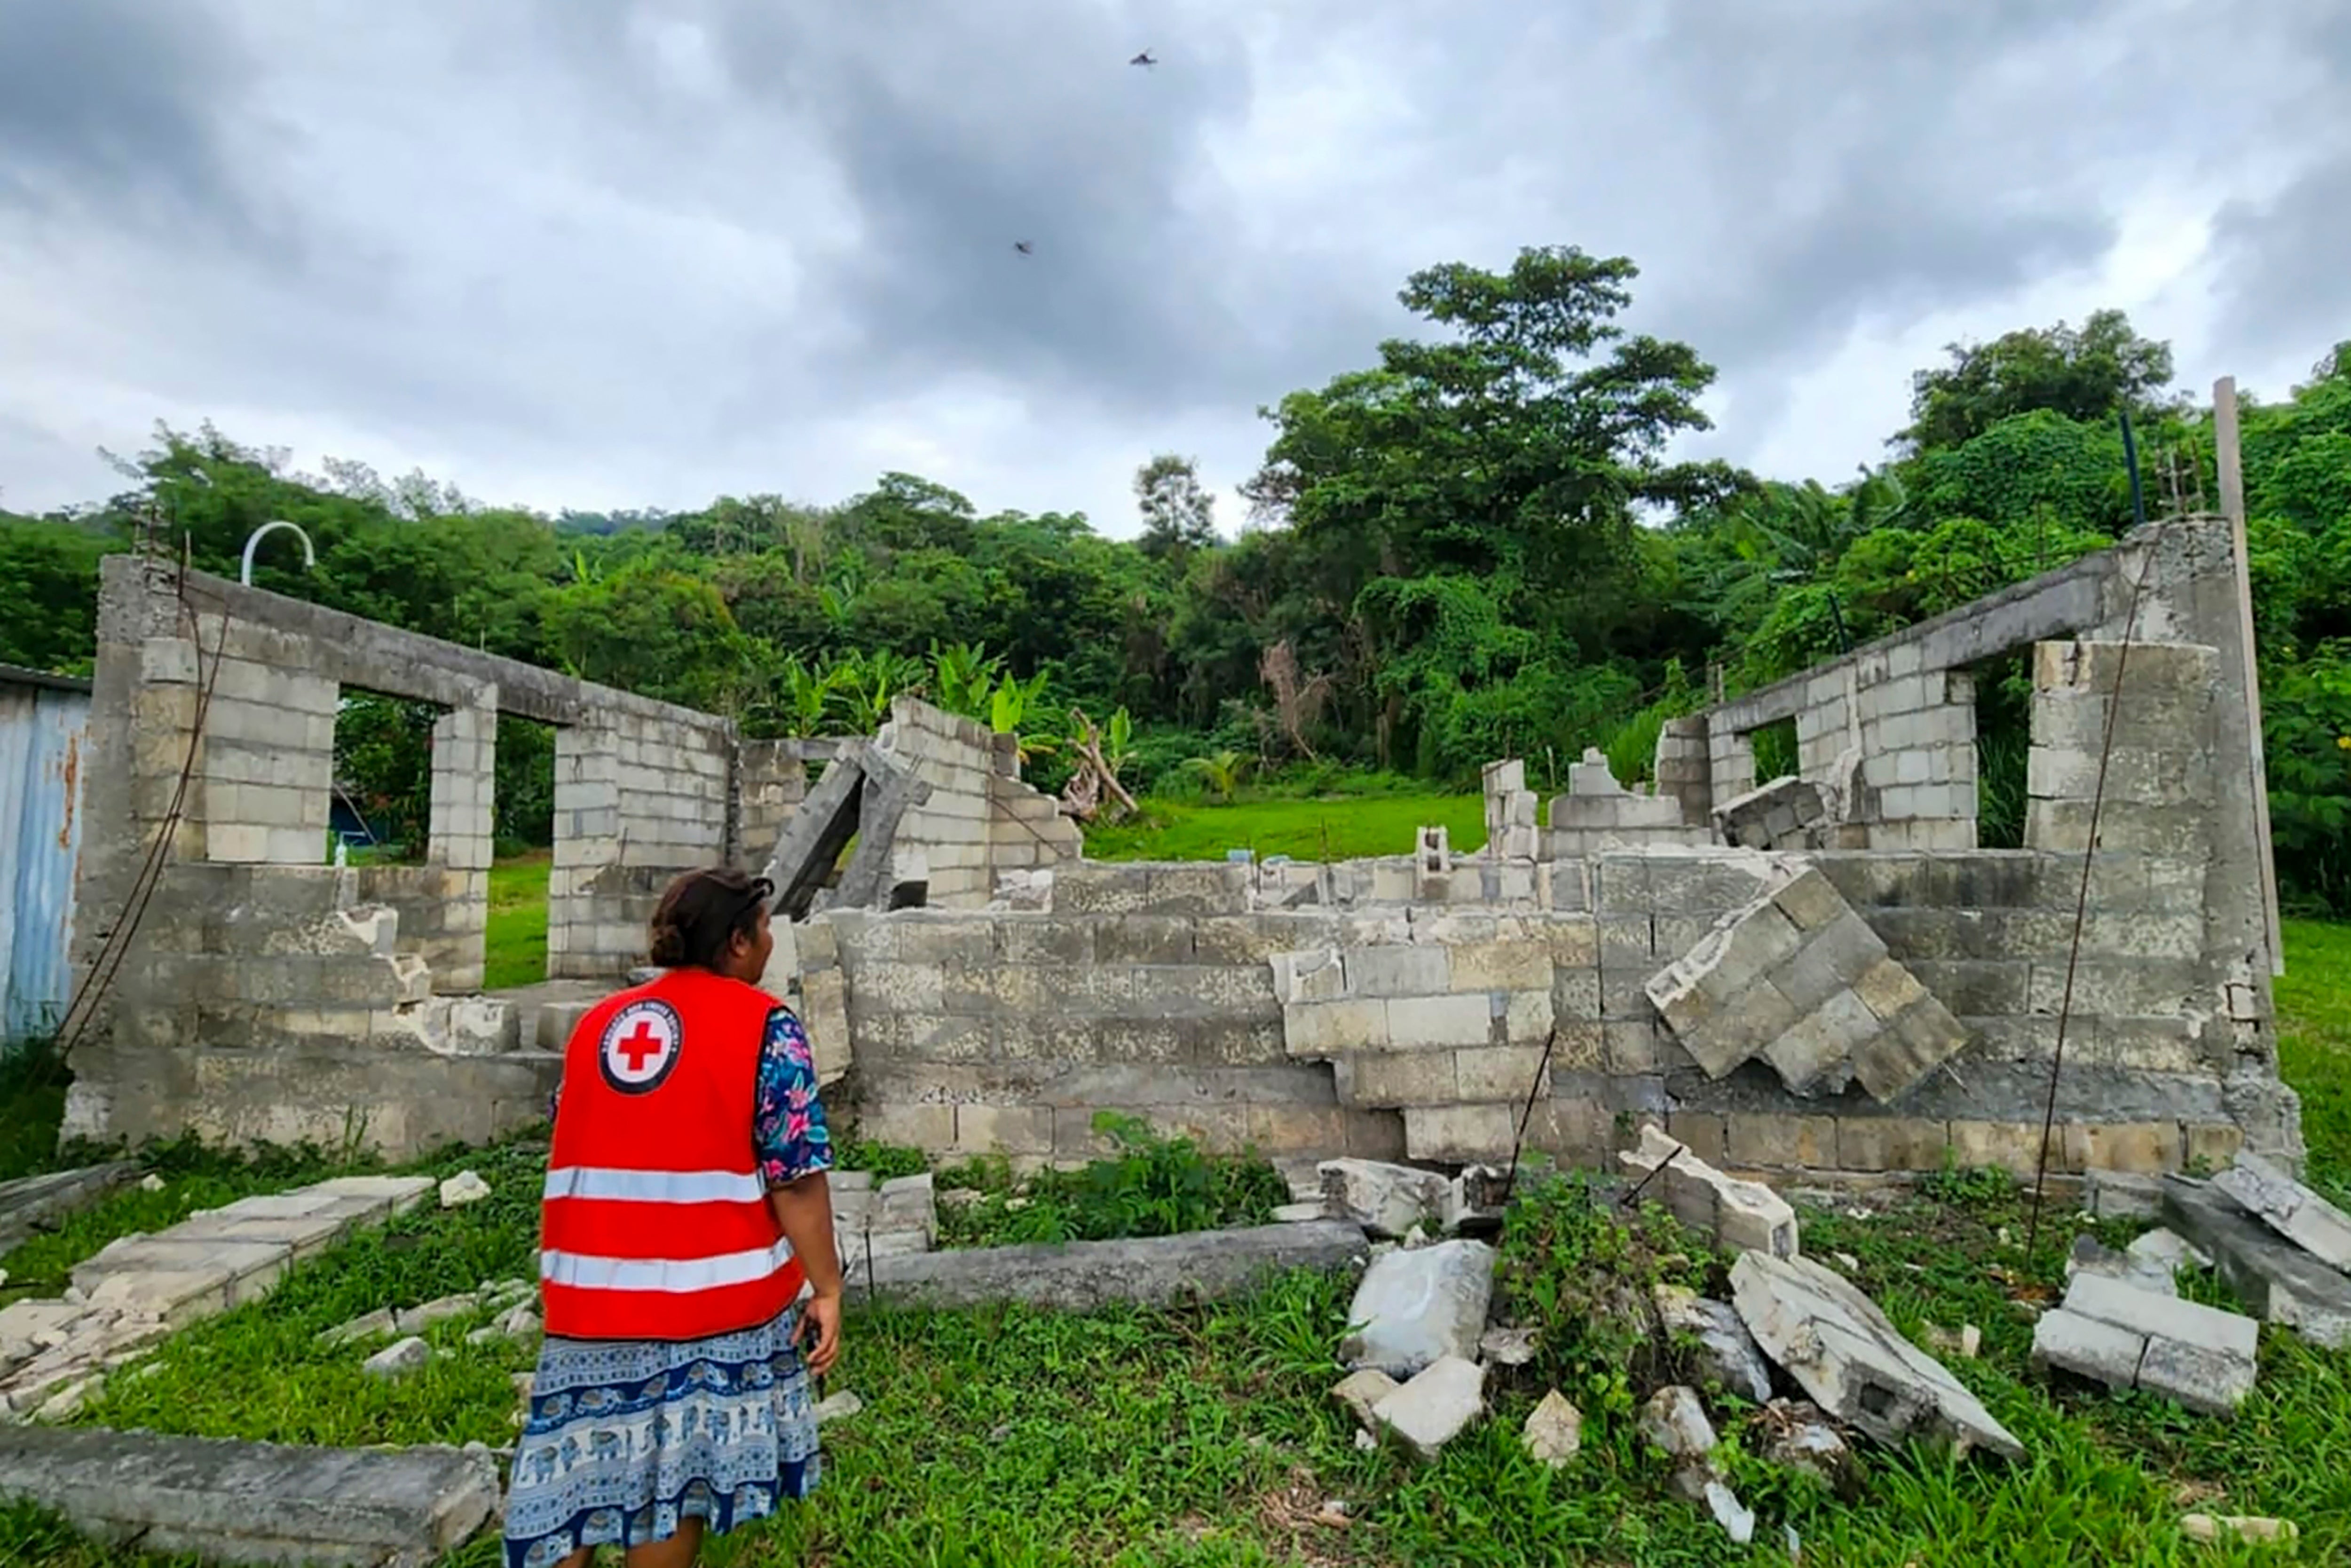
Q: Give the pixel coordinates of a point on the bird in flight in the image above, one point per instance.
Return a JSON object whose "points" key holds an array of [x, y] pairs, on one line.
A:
{"points": [[1142, 59], [1022, 245]]}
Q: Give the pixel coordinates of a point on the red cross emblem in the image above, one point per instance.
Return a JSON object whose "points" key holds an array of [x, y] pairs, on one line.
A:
{"points": [[640, 1046]]}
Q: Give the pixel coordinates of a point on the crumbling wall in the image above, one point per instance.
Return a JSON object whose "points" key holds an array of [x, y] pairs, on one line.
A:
{"points": [[263, 993], [979, 817], [1448, 998]]}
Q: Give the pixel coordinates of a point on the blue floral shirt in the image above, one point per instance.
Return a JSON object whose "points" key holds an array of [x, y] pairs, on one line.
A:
{"points": [[788, 1129]]}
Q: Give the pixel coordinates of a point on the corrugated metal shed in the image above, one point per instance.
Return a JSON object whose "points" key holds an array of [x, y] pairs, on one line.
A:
{"points": [[41, 719]]}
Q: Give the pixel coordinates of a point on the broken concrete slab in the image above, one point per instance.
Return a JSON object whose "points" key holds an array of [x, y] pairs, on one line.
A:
{"points": [[2202, 1357], [1385, 1199], [1740, 1216], [1418, 1306], [397, 1359], [2289, 1208], [2274, 1278], [1432, 1409], [1674, 1422], [1851, 1360], [2167, 1251], [2090, 1256], [1797, 978], [1361, 1390], [1785, 814], [1079, 1276], [2209, 1528], [2122, 1195], [1554, 1430], [1724, 1346], [29, 1202], [254, 1502]]}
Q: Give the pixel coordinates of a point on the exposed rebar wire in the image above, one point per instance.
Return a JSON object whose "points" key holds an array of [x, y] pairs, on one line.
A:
{"points": [[1534, 1091], [1655, 1172]]}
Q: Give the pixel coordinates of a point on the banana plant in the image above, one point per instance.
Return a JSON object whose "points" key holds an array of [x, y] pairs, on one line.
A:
{"points": [[964, 676], [865, 685], [1220, 773], [1012, 704]]}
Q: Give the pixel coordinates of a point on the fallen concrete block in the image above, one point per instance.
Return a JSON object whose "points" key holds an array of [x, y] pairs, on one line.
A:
{"points": [[1080, 1276], [1674, 1422], [2090, 1256], [2123, 1195], [464, 1188], [1361, 1390], [1554, 1431], [397, 1359], [2088, 1348], [2274, 1278], [254, 1502], [1799, 979], [1740, 1216], [1853, 1362], [30, 1202], [1784, 814], [2289, 1208], [2200, 1356], [1724, 1346], [1432, 1409], [1385, 1199], [2207, 1527], [1417, 1306]]}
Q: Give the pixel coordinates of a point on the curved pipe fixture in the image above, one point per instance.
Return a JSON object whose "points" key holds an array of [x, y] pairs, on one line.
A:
{"points": [[309, 556]]}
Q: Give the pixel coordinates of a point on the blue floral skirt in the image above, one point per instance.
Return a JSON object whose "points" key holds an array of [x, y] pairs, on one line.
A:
{"points": [[627, 1439]]}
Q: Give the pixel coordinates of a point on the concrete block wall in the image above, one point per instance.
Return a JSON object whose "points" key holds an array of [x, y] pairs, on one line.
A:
{"points": [[460, 840], [442, 910], [771, 780], [639, 799], [980, 1032], [1510, 830], [980, 819]]}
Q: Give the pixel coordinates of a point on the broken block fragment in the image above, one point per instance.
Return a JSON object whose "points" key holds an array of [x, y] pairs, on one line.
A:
{"points": [[2271, 1275], [2289, 1208], [1799, 979], [1741, 1216], [1785, 814], [2129, 1338], [1853, 1362]]}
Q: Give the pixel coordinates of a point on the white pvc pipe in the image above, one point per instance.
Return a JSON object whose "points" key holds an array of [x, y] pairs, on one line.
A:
{"points": [[309, 556]]}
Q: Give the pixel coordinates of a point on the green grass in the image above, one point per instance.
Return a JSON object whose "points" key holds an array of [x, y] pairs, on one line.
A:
{"points": [[1204, 1437], [1334, 829], [514, 945]]}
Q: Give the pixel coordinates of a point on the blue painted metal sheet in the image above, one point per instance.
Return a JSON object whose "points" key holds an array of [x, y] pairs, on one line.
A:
{"points": [[41, 744]]}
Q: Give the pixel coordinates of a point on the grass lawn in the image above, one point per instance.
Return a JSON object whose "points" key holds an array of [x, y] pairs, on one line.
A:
{"points": [[514, 945], [1353, 828], [1204, 1438]]}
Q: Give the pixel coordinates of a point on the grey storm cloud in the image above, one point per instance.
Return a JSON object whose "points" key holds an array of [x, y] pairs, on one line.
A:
{"points": [[677, 243]]}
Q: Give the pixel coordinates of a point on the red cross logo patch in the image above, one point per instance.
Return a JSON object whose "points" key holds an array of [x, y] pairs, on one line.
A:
{"points": [[640, 1046]]}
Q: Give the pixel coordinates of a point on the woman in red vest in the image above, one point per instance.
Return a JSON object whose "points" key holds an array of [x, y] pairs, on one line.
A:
{"points": [[687, 1260]]}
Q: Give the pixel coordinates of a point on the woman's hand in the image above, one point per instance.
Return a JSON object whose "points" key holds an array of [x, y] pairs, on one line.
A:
{"points": [[821, 1323]]}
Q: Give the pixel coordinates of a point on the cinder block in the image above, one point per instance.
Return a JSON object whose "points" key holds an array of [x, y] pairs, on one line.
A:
{"points": [[1520, 965], [1891, 1142], [1501, 1072], [1459, 1134], [1404, 971], [1330, 1029], [1392, 1079], [1785, 1142], [1003, 1129], [1439, 1022]]}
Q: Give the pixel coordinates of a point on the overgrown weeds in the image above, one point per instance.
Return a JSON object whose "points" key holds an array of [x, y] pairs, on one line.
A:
{"points": [[1149, 1185]]}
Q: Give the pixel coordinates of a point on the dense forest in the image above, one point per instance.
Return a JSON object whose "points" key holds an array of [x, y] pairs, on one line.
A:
{"points": [[1483, 543]]}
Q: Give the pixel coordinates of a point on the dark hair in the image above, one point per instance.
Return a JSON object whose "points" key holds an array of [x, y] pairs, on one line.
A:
{"points": [[703, 913]]}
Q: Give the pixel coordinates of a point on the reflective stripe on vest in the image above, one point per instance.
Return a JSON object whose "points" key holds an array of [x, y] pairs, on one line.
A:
{"points": [[654, 1186], [670, 1276]]}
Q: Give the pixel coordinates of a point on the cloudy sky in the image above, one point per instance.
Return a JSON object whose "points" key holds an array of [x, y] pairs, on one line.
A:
{"points": [[612, 253]]}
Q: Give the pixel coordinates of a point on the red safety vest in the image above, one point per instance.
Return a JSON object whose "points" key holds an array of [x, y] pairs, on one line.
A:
{"points": [[655, 1223]]}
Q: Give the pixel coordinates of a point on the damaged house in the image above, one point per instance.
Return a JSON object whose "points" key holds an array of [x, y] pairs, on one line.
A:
{"points": [[1821, 975]]}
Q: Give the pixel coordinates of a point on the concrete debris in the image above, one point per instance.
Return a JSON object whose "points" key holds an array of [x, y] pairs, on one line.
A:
{"points": [[1361, 1391], [1385, 1199], [837, 1407], [398, 1359], [1416, 1308], [1800, 981], [1415, 1239], [1555, 1432], [1432, 1409], [1966, 1343], [1797, 1436], [1086, 1276], [2269, 1275], [1675, 1423], [1365, 1441], [2089, 1256], [1283, 1213], [897, 1217], [2289, 1208], [1853, 1362], [1725, 1347], [1735, 1517], [139, 1288], [2130, 1338], [1475, 1201], [150, 1183], [227, 1501], [2168, 1250], [464, 1188], [1507, 1346], [2123, 1195], [1739, 1216], [2206, 1527], [1786, 814]]}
